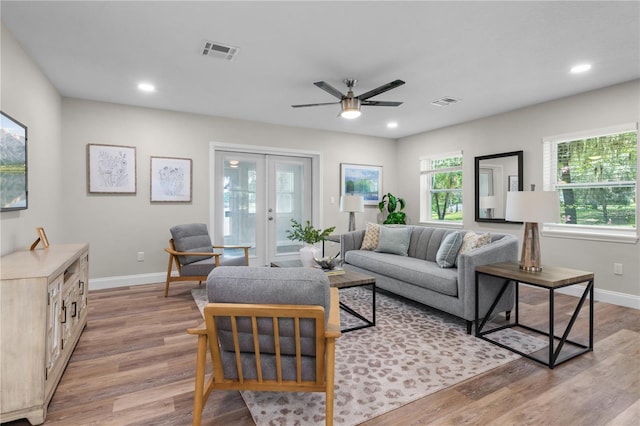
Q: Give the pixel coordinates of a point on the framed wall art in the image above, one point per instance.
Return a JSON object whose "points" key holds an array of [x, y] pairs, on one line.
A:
{"points": [[171, 180], [359, 179], [111, 169], [13, 164]]}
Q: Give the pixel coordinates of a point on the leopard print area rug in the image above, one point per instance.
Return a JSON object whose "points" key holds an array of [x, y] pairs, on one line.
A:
{"points": [[412, 351]]}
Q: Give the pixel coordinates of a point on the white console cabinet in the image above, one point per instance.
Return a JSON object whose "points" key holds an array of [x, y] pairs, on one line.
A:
{"points": [[43, 310]]}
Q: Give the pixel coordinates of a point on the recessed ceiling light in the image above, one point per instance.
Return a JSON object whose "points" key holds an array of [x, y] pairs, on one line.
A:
{"points": [[392, 124], [580, 68], [146, 87]]}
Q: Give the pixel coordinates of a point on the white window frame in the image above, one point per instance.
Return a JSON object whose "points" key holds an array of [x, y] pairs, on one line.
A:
{"points": [[584, 232], [425, 188]]}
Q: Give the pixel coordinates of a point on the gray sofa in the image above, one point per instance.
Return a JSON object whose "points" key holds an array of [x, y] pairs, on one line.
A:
{"points": [[418, 277]]}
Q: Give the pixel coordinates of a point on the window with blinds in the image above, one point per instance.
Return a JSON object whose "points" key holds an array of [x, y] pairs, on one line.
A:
{"points": [[595, 174], [441, 188]]}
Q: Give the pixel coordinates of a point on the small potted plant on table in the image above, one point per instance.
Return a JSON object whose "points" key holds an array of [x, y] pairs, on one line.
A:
{"points": [[308, 235]]}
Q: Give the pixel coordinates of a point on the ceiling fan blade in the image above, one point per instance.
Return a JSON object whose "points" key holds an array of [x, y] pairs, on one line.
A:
{"points": [[329, 89], [381, 103], [381, 89], [313, 105]]}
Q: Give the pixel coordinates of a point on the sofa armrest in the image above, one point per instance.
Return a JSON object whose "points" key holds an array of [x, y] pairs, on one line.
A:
{"points": [[502, 250], [351, 241]]}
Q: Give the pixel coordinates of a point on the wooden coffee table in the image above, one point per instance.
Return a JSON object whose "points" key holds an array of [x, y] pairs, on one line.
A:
{"points": [[347, 280]]}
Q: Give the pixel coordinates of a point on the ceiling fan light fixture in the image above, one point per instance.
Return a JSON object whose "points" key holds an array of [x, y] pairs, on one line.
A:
{"points": [[350, 108]]}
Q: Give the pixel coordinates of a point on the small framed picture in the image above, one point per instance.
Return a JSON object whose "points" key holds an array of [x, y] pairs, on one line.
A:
{"points": [[111, 169], [359, 179], [171, 180], [42, 238], [513, 183]]}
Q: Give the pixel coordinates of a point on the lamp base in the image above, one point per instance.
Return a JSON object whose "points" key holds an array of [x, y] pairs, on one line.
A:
{"points": [[530, 268], [352, 221], [530, 257]]}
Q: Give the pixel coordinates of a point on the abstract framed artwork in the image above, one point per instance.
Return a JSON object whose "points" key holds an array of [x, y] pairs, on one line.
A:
{"points": [[171, 180], [13, 164], [360, 179], [111, 169]]}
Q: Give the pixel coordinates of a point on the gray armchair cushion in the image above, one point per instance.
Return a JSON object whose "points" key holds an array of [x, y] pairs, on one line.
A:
{"points": [[204, 267], [193, 237], [282, 286]]}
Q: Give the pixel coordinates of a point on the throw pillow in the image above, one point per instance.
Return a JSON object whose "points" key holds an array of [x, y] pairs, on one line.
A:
{"points": [[371, 237], [448, 251], [472, 240], [394, 240]]}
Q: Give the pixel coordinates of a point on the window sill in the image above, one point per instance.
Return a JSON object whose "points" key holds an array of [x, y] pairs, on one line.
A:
{"points": [[625, 236], [442, 224]]}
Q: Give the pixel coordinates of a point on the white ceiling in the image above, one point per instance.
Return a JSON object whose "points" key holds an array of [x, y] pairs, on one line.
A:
{"points": [[494, 56]]}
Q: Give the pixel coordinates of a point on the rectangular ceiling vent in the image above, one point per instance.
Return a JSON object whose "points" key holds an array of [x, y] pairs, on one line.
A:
{"points": [[445, 101], [217, 50]]}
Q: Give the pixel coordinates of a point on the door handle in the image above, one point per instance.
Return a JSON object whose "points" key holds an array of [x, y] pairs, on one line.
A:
{"points": [[270, 218]]}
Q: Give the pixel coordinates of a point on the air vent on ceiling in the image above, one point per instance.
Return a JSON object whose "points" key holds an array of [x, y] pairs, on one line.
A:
{"points": [[445, 101], [217, 50]]}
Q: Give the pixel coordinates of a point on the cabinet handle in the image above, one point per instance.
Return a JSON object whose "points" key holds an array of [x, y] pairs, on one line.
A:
{"points": [[64, 310], [81, 285], [75, 309]]}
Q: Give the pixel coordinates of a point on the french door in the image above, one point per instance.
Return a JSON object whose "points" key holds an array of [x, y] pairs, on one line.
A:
{"points": [[255, 198]]}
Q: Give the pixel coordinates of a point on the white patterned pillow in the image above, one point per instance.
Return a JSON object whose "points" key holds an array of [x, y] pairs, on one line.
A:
{"points": [[472, 240], [371, 237]]}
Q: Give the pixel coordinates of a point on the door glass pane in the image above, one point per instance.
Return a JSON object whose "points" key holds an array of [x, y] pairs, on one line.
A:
{"points": [[289, 196], [240, 202]]}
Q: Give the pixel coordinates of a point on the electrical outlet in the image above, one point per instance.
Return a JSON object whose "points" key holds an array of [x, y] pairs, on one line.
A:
{"points": [[140, 256], [617, 268]]}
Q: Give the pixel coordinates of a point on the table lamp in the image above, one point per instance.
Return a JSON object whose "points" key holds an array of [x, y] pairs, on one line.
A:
{"points": [[352, 204], [489, 203], [532, 208]]}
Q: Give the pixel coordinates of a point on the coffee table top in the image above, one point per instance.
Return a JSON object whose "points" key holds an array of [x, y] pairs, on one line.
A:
{"points": [[346, 280]]}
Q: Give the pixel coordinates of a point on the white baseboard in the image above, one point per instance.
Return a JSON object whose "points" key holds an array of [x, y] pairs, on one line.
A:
{"points": [[607, 296], [126, 280]]}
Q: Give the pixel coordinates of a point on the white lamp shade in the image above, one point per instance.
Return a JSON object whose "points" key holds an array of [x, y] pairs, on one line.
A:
{"points": [[488, 202], [533, 206], [351, 203]]}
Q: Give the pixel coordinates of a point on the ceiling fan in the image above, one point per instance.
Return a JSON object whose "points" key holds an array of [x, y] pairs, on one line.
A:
{"points": [[351, 104]]}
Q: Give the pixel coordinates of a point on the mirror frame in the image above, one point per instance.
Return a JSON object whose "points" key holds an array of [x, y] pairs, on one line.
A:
{"points": [[519, 155]]}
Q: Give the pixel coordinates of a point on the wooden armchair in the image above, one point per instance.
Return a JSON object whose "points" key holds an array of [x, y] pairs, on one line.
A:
{"points": [[265, 346], [191, 250]]}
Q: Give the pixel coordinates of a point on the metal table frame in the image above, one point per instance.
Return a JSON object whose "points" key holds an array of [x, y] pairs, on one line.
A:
{"points": [[554, 354]]}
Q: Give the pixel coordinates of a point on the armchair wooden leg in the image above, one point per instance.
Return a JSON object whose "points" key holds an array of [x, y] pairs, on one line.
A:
{"points": [[330, 368], [199, 397], [166, 286]]}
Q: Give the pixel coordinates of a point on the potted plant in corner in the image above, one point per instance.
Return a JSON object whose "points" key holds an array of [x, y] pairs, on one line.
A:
{"points": [[392, 204], [309, 236]]}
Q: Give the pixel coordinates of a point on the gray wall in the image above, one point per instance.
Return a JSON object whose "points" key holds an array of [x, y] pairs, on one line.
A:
{"points": [[30, 98], [117, 227], [524, 129]]}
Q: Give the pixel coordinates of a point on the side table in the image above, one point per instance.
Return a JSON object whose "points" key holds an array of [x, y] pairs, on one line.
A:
{"points": [[550, 278]]}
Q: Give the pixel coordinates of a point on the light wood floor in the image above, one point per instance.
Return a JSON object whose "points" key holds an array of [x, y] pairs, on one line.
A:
{"points": [[134, 365]]}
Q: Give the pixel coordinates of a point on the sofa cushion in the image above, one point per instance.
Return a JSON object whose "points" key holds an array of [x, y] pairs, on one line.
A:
{"points": [[448, 251], [426, 241], [371, 237], [419, 272], [394, 240], [472, 241]]}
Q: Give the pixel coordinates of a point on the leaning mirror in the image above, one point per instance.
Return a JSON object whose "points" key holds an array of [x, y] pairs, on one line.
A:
{"points": [[496, 175]]}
